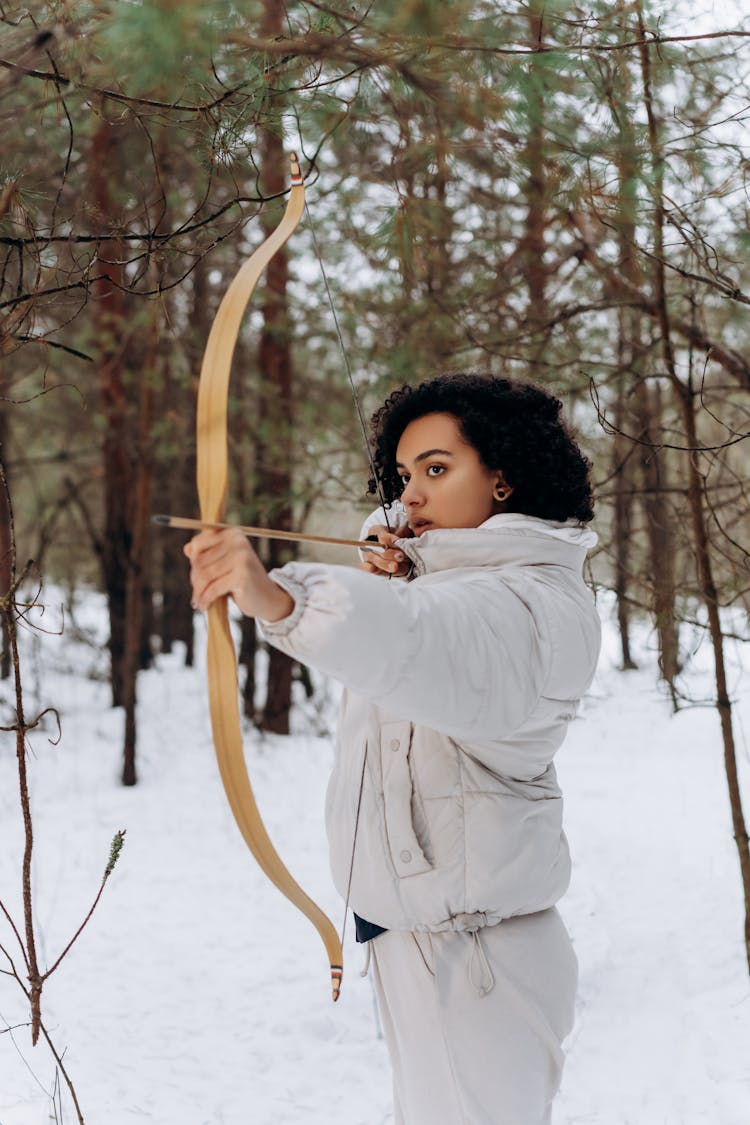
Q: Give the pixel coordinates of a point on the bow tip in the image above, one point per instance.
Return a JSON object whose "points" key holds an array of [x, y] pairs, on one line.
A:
{"points": [[296, 171], [336, 974]]}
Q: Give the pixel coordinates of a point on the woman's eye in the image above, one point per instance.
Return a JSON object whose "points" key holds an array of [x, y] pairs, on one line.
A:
{"points": [[404, 477], [438, 470]]}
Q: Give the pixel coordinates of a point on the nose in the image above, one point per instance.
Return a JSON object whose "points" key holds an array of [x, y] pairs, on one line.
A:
{"points": [[411, 497]]}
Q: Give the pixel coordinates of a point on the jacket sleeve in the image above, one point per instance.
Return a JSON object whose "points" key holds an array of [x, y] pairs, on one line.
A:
{"points": [[463, 657]]}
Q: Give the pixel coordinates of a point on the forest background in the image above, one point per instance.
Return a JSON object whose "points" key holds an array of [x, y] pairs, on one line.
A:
{"points": [[545, 190]]}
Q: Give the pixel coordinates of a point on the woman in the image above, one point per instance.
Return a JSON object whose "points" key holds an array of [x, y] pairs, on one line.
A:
{"points": [[443, 811]]}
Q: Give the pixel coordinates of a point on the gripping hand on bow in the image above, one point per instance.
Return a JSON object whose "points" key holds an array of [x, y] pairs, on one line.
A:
{"points": [[391, 561], [223, 562]]}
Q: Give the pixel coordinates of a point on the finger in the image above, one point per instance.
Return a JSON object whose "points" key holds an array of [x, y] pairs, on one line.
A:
{"points": [[389, 538], [202, 542], [381, 559], [379, 565], [211, 536], [224, 564], [211, 586], [219, 547], [385, 536], [372, 531], [379, 533], [372, 559], [204, 567], [385, 563]]}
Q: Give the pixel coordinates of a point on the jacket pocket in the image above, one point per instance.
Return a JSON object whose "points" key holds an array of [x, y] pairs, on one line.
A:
{"points": [[406, 854]]}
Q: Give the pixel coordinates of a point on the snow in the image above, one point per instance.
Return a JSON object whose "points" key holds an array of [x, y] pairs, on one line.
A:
{"points": [[198, 996]]}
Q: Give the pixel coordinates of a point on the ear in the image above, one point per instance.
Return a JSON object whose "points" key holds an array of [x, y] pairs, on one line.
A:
{"points": [[502, 489]]}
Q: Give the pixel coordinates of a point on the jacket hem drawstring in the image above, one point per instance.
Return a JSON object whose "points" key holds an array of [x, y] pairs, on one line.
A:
{"points": [[480, 973]]}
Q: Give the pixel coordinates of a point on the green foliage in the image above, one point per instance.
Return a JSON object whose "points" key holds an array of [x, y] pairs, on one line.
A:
{"points": [[475, 175], [420, 19], [158, 48]]}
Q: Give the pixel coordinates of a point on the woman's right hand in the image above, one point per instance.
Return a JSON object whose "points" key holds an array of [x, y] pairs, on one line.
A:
{"points": [[390, 561]]}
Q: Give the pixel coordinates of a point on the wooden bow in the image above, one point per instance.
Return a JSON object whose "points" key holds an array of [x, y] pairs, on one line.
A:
{"points": [[212, 472]]}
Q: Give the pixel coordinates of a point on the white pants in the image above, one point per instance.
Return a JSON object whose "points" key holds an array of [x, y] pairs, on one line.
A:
{"points": [[475, 1022]]}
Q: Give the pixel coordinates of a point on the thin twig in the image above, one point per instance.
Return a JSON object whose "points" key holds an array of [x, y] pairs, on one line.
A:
{"points": [[113, 857], [12, 925]]}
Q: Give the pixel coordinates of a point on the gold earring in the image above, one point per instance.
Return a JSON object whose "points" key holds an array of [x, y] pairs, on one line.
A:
{"points": [[501, 494]]}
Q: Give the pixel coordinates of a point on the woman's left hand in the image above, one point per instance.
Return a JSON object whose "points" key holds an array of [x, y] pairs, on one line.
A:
{"points": [[223, 562]]}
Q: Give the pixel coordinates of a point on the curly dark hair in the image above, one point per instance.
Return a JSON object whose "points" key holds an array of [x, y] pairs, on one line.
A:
{"points": [[515, 427]]}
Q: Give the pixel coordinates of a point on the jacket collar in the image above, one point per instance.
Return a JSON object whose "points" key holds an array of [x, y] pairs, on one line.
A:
{"points": [[508, 539]]}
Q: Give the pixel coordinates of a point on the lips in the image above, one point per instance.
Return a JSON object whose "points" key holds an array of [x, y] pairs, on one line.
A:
{"points": [[419, 525]]}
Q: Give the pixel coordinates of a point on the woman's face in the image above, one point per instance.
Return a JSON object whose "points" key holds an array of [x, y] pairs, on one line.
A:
{"points": [[445, 483]]}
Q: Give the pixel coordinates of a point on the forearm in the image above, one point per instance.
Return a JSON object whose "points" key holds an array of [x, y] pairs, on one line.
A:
{"points": [[460, 659], [266, 600]]}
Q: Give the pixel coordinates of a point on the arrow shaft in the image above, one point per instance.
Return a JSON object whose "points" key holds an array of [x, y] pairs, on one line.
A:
{"points": [[184, 523]]}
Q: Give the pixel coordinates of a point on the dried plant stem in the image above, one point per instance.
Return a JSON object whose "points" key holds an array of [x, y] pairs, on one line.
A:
{"points": [[25, 935], [13, 927], [7, 603], [61, 1067], [116, 847]]}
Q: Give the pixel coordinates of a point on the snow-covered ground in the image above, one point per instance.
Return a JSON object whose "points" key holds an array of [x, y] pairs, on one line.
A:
{"points": [[198, 996]]}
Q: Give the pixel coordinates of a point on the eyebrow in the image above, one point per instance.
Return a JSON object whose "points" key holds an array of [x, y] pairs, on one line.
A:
{"points": [[427, 453]]}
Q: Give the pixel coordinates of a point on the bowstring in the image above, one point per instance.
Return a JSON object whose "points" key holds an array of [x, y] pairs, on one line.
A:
{"points": [[339, 335], [381, 497], [371, 463], [354, 846], [348, 366]]}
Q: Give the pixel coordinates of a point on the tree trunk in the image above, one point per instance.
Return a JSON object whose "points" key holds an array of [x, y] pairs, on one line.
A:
{"points": [[686, 399], [647, 408], [137, 563], [174, 620], [111, 329], [660, 530], [622, 475], [6, 567], [686, 396], [180, 491], [536, 196], [248, 648], [145, 646]]}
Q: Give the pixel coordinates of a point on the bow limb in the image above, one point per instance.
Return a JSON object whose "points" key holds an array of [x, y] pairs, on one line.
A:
{"points": [[212, 473]]}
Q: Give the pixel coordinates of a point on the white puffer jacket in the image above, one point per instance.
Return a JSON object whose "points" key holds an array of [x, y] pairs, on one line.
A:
{"points": [[461, 684]]}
